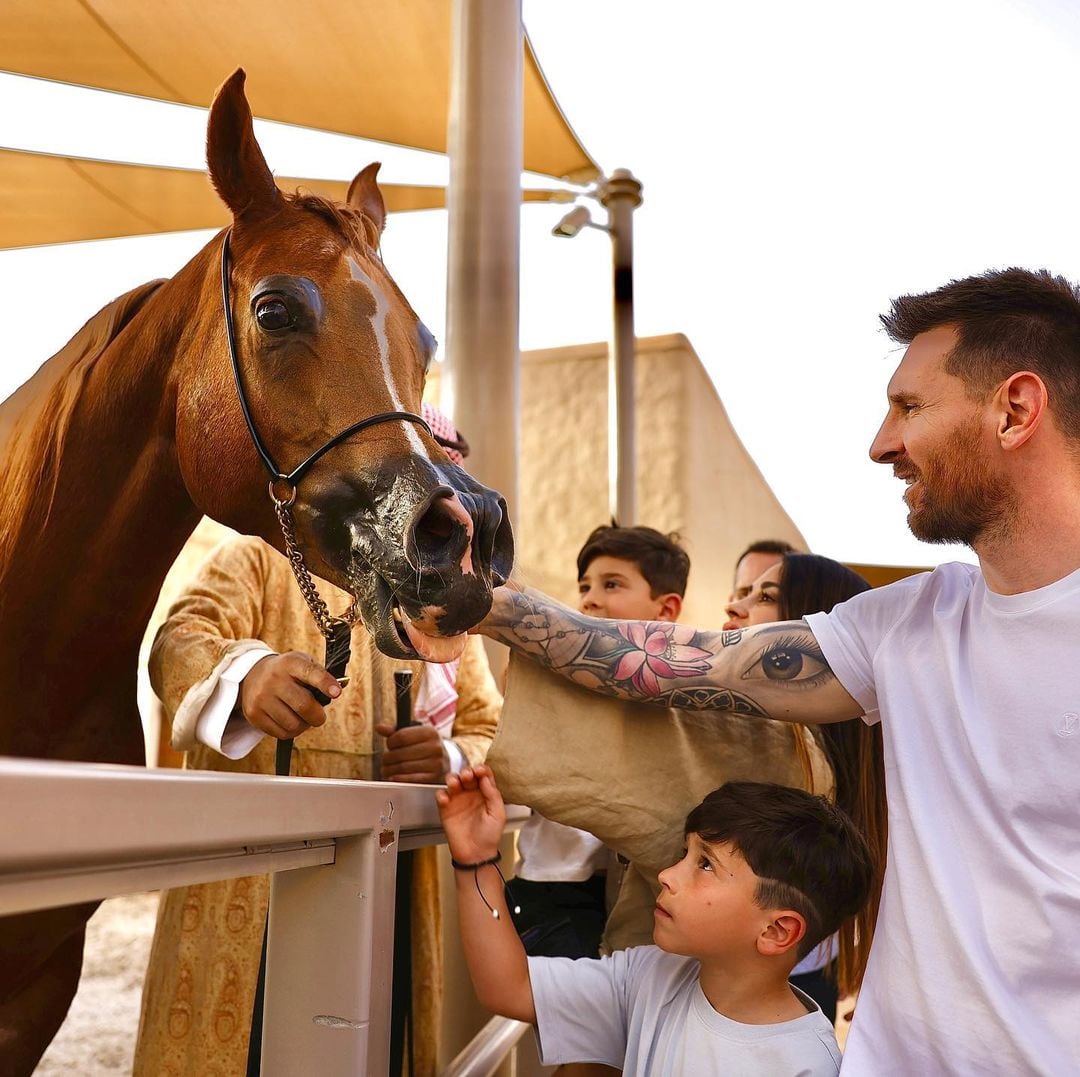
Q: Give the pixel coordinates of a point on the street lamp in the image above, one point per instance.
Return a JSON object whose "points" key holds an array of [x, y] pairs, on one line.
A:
{"points": [[620, 195]]}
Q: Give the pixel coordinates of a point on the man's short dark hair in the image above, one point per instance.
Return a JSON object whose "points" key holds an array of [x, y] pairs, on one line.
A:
{"points": [[659, 558], [1006, 320], [807, 854], [776, 546]]}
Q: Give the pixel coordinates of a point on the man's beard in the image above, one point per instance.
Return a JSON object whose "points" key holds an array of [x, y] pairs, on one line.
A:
{"points": [[959, 499]]}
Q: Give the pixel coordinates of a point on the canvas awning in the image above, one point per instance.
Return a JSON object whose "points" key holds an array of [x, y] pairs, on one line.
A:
{"points": [[45, 198], [377, 69]]}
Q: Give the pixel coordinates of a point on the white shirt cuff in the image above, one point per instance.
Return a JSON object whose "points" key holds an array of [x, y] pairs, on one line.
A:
{"points": [[455, 756], [217, 726]]}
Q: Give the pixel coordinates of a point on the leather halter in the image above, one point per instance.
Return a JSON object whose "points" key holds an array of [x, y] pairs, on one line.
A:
{"points": [[276, 474]]}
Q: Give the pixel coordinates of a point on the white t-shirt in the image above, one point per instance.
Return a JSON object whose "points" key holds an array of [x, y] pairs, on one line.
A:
{"points": [[642, 1010], [975, 966]]}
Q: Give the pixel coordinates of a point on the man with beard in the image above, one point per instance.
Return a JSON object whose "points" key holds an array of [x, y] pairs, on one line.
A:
{"points": [[969, 669]]}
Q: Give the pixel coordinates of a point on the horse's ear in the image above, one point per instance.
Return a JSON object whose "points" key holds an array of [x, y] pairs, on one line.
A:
{"points": [[364, 195], [237, 167]]}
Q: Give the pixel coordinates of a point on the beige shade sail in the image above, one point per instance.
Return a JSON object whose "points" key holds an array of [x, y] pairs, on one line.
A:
{"points": [[46, 198], [377, 69]]}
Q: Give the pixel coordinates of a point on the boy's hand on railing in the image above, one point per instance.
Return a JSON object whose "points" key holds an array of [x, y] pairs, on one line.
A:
{"points": [[473, 814]]}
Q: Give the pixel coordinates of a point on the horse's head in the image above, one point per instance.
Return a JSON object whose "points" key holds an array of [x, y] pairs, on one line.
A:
{"points": [[324, 339]]}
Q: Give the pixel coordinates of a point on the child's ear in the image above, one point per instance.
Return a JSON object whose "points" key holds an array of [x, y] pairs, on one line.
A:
{"points": [[783, 932], [670, 607]]}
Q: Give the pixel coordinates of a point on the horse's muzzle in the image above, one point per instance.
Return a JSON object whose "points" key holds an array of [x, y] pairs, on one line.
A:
{"points": [[422, 545]]}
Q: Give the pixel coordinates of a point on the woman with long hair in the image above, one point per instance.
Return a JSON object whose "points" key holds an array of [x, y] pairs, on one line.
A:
{"points": [[799, 584]]}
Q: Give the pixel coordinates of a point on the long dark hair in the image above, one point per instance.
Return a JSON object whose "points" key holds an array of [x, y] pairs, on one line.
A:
{"points": [[813, 584]]}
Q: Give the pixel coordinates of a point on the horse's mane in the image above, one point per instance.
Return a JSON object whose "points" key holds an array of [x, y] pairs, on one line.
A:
{"points": [[35, 419], [353, 225]]}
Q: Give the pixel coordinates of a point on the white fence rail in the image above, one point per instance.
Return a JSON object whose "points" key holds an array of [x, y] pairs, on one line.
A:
{"points": [[74, 832]]}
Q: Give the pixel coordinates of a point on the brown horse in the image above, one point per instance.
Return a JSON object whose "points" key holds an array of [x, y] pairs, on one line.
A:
{"points": [[126, 437]]}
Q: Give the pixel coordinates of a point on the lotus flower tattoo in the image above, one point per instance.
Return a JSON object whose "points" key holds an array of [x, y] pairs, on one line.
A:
{"points": [[658, 650]]}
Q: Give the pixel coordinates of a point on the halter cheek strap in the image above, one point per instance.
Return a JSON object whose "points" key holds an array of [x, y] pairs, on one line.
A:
{"points": [[276, 474], [335, 629]]}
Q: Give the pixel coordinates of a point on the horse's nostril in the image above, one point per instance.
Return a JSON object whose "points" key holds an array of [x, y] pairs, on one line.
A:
{"points": [[443, 533], [437, 523]]}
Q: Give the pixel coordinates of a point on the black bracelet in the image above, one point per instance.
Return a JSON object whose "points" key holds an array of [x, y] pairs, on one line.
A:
{"points": [[458, 866], [475, 869]]}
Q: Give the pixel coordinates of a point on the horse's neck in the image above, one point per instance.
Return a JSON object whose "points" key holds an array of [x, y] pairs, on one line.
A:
{"points": [[119, 512]]}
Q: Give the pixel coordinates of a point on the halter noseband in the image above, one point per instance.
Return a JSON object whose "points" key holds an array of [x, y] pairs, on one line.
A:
{"points": [[276, 474]]}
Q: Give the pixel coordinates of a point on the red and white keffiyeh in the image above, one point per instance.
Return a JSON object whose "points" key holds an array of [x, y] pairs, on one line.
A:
{"points": [[446, 434]]}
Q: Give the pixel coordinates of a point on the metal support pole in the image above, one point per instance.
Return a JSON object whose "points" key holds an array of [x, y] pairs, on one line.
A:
{"points": [[621, 195], [481, 386]]}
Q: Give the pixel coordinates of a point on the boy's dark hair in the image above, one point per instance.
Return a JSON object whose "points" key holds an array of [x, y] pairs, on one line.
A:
{"points": [[1006, 320], [660, 559], [777, 546], [807, 854]]}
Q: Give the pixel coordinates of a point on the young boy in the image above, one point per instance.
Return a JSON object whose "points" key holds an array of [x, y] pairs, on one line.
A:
{"points": [[768, 873], [627, 572]]}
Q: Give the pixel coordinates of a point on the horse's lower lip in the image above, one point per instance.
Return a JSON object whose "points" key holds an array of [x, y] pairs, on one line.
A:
{"points": [[380, 618], [396, 635], [430, 648]]}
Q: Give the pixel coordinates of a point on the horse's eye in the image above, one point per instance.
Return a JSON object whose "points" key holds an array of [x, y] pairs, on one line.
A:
{"points": [[272, 314]]}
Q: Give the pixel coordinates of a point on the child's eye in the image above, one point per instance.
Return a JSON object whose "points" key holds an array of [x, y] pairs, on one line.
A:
{"points": [[611, 585], [705, 863], [766, 597]]}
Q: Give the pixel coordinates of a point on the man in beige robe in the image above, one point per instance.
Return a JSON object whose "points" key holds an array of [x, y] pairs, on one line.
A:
{"points": [[197, 1000]]}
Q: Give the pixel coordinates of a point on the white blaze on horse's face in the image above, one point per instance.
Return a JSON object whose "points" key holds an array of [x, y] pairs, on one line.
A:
{"points": [[378, 324]]}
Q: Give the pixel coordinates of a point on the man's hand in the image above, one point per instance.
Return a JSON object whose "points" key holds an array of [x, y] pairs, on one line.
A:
{"points": [[274, 696], [413, 754], [473, 814]]}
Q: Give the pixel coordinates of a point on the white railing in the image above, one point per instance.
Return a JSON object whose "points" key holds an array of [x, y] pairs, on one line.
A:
{"points": [[75, 832]]}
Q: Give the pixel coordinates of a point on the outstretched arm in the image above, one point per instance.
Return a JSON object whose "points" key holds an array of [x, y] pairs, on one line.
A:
{"points": [[473, 816], [772, 671]]}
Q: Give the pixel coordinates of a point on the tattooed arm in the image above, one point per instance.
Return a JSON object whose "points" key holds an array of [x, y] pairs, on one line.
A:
{"points": [[773, 671]]}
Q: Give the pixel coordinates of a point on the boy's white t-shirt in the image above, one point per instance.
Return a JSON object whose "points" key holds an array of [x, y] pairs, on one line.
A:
{"points": [[975, 966], [643, 1011]]}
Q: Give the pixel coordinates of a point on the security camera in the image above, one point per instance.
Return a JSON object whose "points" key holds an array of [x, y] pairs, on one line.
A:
{"points": [[578, 218]]}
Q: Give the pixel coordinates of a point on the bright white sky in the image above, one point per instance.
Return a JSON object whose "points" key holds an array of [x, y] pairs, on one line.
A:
{"points": [[802, 164]]}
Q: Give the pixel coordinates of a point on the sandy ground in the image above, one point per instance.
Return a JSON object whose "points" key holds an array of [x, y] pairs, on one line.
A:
{"points": [[98, 1036]]}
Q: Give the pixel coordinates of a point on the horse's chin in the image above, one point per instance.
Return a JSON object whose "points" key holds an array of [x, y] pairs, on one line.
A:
{"points": [[398, 636], [431, 648]]}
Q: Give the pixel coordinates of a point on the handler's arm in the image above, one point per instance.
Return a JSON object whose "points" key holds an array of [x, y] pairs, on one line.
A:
{"points": [[772, 671], [219, 617], [473, 817]]}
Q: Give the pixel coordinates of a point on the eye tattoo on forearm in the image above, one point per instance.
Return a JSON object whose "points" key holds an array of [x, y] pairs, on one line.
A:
{"points": [[790, 656]]}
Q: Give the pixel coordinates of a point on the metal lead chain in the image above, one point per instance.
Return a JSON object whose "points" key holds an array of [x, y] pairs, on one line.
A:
{"points": [[323, 617]]}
